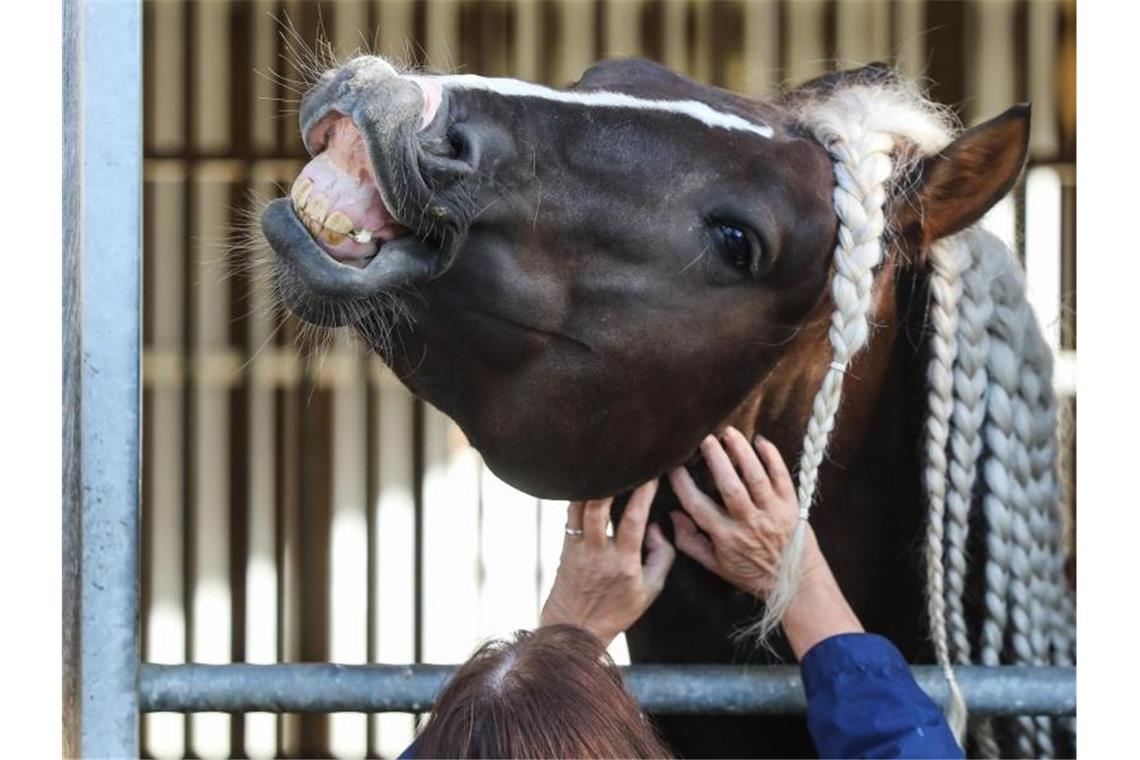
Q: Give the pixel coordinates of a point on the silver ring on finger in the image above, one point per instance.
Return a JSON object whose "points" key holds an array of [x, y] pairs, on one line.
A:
{"points": [[575, 532]]}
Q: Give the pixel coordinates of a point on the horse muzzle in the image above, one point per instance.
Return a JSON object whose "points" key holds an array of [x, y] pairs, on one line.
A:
{"points": [[345, 234]]}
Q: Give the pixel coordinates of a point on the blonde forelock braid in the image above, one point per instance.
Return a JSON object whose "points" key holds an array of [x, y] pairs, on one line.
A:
{"points": [[864, 128]]}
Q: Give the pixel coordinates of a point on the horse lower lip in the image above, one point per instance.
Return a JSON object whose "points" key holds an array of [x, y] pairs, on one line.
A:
{"points": [[403, 262]]}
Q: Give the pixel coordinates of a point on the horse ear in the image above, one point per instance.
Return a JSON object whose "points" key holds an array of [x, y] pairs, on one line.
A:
{"points": [[955, 187]]}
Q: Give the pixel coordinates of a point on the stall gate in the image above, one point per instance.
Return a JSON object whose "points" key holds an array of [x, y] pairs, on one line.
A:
{"points": [[300, 505]]}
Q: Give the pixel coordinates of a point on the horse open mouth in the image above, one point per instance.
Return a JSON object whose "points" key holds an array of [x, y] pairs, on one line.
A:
{"points": [[336, 234]]}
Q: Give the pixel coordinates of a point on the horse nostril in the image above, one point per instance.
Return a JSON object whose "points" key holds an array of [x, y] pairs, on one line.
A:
{"points": [[461, 145], [457, 145], [453, 146], [451, 156]]}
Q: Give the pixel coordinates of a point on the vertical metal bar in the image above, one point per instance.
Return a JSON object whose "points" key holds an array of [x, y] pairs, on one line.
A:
{"points": [[525, 61], [863, 32], [348, 535], [103, 83], [675, 43], [72, 350], [805, 48], [621, 28], [442, 43], [761, 46], [1041, 40], [576, 47], [908, 31], [262, 579], [214, 368], [165, 98], [701, 53], [164, 633], [394, 511], [992, 69]]}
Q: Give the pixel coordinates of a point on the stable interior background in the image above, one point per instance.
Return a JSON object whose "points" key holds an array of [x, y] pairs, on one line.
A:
{"points": [[304, 507]]}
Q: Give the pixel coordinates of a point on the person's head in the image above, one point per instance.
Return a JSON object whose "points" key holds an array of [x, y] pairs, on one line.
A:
{"points": [[553, 692]]}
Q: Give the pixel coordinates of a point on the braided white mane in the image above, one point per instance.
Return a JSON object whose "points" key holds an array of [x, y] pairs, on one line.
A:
{"points": [[991, 414]]}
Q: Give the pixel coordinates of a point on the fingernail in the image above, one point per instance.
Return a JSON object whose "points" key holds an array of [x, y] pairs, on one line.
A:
{"points": [[757, 440]]}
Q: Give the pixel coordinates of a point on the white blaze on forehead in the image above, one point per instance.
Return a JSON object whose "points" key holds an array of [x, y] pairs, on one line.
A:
{"points": [[694, 109]]}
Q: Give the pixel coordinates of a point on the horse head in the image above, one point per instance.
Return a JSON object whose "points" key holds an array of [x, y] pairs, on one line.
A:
{"points": [[588, 280]]}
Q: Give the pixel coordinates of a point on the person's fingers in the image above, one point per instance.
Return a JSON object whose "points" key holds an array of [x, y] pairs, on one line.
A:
{"points": [[630, 531], [574, 515], [690, 541], [700, 507], [735, 496], [595, 518], [774, 463], [658, 559], [752, 472]]}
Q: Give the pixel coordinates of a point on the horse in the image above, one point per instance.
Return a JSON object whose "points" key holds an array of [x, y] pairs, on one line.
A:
{"points": [[589, 280]]}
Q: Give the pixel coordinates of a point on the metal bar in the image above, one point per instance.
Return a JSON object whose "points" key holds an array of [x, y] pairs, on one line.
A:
{"points": [[101, 341], [679, 689]]}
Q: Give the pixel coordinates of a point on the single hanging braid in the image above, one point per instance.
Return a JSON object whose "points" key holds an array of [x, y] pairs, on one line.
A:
{"points": [[949, 259], [862, 127], [975, 309], [862, 166]]}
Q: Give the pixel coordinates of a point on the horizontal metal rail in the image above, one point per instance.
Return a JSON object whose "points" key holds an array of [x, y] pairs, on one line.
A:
{"points": [[676, 689]]}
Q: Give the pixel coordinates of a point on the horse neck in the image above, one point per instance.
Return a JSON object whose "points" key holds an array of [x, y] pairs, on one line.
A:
{"points": [[868, 514]]}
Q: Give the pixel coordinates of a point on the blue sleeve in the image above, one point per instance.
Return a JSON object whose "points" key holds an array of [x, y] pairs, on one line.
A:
{"points": [[863, 702]]}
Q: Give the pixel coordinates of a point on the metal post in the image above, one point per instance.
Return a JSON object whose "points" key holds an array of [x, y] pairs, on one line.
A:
{"points": [[102, 245]]}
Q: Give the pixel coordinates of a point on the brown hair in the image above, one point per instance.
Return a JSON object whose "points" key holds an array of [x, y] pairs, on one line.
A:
{"points": [[551, 693]]}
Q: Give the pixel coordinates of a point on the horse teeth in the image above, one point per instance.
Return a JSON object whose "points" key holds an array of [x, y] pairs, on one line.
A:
{"points": [[300, 193], [332, 237], [318, 207], [339, 222], [313, 225]]}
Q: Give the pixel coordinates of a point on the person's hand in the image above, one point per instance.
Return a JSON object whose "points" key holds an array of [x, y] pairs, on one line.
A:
{"points": [[743, 541], [601, 584]]}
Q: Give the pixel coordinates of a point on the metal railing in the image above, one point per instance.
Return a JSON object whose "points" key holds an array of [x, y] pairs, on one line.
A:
{"points": [[103, 151], [665, 689]]}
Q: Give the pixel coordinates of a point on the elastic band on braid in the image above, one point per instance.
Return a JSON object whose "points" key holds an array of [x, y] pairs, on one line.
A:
{"points": [[862, 167], [948, 259]]}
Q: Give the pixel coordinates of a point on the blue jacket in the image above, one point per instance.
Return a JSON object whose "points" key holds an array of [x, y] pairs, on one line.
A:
{"points": [[863, 702]]}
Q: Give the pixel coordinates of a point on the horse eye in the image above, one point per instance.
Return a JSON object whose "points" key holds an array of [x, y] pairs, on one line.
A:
{"points": [[734, 246]]}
